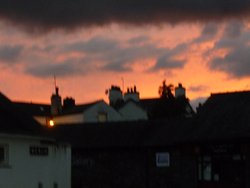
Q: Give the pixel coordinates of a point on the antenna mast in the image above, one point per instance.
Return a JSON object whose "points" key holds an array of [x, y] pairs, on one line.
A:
{"points": [[122, 85], [55, 80]]}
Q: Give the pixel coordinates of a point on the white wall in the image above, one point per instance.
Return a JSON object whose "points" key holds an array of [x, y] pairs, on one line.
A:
{"points": [[68, 119], [91, 114], [25, 170]]}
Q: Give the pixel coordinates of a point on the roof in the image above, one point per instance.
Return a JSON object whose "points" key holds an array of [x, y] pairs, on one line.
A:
{"points": [[225, 116], [79, 108], [159, 108], [14, 120], [124, 134], [34, 109]]}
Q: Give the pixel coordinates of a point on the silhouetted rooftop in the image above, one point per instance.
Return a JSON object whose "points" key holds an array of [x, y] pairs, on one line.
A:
{"points": [[225, 115], [34, 109], [13, 120]]}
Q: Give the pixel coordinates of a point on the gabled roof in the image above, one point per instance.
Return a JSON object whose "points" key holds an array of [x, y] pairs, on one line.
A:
{"points": [[225, 115], [12, 120]]}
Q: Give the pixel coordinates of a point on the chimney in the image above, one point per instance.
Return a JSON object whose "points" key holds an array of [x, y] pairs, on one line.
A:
{"points": [[56, 103], [180, 91], [68, 102], [115, 96], [132, 94]]}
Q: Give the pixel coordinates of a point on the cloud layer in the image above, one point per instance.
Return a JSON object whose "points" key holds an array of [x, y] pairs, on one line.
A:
{"points": [[43, 15]]}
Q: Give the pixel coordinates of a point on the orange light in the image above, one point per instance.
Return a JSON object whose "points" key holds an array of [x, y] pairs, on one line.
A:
{"points": [[51, 123]]}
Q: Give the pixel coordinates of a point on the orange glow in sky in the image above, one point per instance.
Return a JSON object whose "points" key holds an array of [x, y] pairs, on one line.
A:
{"points": [[88, 61]]}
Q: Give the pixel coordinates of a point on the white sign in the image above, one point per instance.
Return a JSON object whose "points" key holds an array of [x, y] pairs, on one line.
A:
{"points": [[162, 159]]}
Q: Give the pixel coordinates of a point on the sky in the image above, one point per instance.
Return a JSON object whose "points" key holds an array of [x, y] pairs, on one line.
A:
{"points": [[90, 45]]}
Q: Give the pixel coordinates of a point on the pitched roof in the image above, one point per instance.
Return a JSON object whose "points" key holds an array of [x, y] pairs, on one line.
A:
{"points": [[124, 134], [12, 120], [34, 109], [225, 116]]}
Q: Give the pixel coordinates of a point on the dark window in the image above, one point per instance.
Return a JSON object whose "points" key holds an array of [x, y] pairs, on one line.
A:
{"points": [[221, 168], [55, 185], [205, 168], [3, 154], [40, 185]]}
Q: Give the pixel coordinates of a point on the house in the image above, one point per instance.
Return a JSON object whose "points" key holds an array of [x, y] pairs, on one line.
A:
{"points": [[130, 154], [122, 107], [28, 157], [224, 134], [209, 150], [94, 112], [133, 108], [40, 112]]}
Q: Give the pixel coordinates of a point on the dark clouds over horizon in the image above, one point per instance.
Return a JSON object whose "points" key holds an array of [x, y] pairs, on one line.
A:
{"points": [[111, 55], [46, 15], [107, 53]]}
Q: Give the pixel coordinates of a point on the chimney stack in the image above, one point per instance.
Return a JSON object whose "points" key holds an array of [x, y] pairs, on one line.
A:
{"points": [[56, 103], [180, 91]]}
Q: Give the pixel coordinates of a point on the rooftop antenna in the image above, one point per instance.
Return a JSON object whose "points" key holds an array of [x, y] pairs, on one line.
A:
{"points": [[122, 85], [56, 88], [55, 80]]}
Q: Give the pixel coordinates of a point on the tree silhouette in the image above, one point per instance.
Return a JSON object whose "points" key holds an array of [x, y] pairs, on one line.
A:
{"points": [[165, 91]]}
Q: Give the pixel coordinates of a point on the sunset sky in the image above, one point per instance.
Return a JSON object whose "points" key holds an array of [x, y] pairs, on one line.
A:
{"points": [[91, 45]]}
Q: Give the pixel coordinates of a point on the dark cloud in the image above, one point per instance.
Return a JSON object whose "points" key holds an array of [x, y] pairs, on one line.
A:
{"points": [[117, 67], [235, 62], [10, 54], [167, 59], [208, 32], [94, 45], [121, 58], [139, 40], [233, 29], [113, 55], [63, 69], [100, 54], [67, 14]]}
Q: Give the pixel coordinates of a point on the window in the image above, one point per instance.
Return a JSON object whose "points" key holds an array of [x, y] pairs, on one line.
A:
{"points": [[4, 154], [102, 117], [55, 185], [39, 151], [205, 168], [40, 185], [162, 159]]}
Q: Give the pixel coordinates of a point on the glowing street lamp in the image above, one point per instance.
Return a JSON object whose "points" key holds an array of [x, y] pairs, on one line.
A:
{"points": [[51, 123]]}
